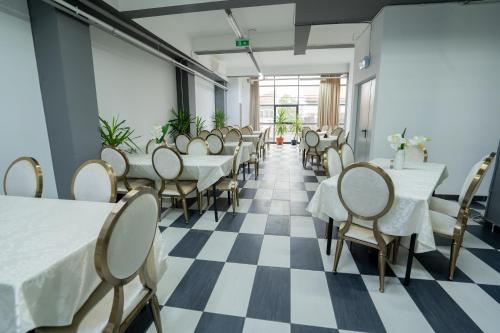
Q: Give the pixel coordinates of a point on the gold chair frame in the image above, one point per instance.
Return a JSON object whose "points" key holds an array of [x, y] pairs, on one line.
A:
{"points": [[109, 171], [233, 190], [221, 147], [38, 174], [312, 151], [153, 141], [198, 139]]}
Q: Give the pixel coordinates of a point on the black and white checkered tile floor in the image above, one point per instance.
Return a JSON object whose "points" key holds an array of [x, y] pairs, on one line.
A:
{"points": [[265, 270]]}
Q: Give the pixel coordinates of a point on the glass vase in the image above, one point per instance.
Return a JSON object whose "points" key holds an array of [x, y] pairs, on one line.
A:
{"points": [[399, 159]]}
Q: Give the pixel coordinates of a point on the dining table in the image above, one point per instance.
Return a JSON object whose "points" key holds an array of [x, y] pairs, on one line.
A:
{"points": [[47, 268], [253, 138], [246, 150], [409, 215]]}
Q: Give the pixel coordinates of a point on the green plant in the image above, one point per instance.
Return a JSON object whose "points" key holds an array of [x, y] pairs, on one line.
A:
{"points": [[159, 132], [200, 124], [280, 123], [296, 127], [180, 123], [116, 133], [219, 118]]}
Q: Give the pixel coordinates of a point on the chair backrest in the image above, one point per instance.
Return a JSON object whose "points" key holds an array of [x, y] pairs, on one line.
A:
{"points": [[312, 138], [236, 160], [347, 155], [167, 163], [117, 159], [181, 143], [246, 130], [94, 180], [336, 131], [126, 238], [204, 134], [251, 127], [217, 132], [224, 130], [416, 154], [325, 128], [341, 138], [151, 145], [215, 144], [197, 146], [304, 131], [474, 179], [333, 162], [233, 135], [366, 191], [23, 178]]}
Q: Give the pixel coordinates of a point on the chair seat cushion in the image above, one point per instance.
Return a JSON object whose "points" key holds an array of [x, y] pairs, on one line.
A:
{"points": [[226, 184], [187, 186], [133, 183], [365, 234], [442, 224], [443, 206], [315, 152], [254, 159]]}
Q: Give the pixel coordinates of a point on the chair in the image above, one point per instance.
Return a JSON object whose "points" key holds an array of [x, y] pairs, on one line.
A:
{"points": [[231, 184], [347, 155], [325, 128], [119, 162], [332, 163], [341, 138], [246, 130], [454, 227], [23, 178], [224, 130], [151, 145], [121, 257], [169, 167], [215, 144], [312, 142], [262, 140], [94, 180], [233, 135], [336, 131], [416, 154], [204, 134], [181, 143], [254, 157], [367, 193], [197, 146], [217, 132]]}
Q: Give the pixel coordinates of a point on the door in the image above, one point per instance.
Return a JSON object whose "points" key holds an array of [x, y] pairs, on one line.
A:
{"points": [[366, 97]]}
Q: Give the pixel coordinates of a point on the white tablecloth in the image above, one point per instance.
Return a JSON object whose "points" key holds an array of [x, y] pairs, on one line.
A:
{"points": [[323, 142], [253, 138], [207, 169], [47, 259], [410, 212], [246, 150]]}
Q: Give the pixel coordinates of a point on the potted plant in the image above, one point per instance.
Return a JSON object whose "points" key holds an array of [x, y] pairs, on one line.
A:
{"points": [[296, 129], [280, 126], [219, 118], [159, 133], [180, 123], [116, 133], [200, 125]]}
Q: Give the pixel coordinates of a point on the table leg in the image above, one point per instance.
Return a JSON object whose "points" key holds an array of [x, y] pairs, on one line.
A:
{"points": [[214, 189], [329, 233], [409, 262], [244, 171]]}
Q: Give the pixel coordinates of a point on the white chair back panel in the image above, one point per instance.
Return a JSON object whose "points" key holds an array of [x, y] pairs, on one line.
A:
{"points": [[341, 138], [233, 136], [181, 143], [93, 183], [204, 134], [364, 191], [469, 179], [21, 180], [132, 236], [116, 160], [334, 162], [197, 146], [215, 144], [238, 157], [246, 130], [414, 154], [312, 138], [347, 155], [167, 163]]}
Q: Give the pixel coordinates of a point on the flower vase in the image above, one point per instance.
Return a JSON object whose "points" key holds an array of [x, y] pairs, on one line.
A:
{"points": [[399, 159]]}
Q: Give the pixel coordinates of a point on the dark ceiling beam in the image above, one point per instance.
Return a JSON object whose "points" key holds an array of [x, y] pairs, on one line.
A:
{"points": [[277, 48], [201, 7], [301, 38]]}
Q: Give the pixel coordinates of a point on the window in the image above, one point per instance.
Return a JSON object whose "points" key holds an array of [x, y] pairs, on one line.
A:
{"points": [[298, 96]]}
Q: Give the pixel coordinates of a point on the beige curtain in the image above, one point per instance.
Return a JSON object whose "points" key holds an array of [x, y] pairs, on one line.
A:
{"points": [[254, 105], [329, 94]]}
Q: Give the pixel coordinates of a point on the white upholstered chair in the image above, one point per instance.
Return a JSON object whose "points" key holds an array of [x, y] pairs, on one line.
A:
{"points": [[197, 146], [325, 128], [181, 143], [367, 193], [246, 130], [215, 144], [233, 135], [151, 145], [23, 178], [453, 226], [333, 163], [204, 134], [336, 131], [217, 132], [94, 180], [255, 158], [169, 167], [341, 139], [347, 155], [224, 130], [119, 162], [263, 146], [312, 142], [230, 184], [122, 253]]}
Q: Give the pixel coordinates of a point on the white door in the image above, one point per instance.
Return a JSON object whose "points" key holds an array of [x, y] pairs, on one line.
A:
{"points": [[364, 120]]}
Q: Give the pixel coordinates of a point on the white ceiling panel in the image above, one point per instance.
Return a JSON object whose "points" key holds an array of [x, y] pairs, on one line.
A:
{"points": [[331, 34]]}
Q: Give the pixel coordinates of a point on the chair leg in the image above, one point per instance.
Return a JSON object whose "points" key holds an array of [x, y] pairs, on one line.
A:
{"points": [[229, 198], [155, 311], [234, 201], [237, 196], [256, 170], [184, 207], [381, 270], [338, 252], [199, 196], [455, 248]]}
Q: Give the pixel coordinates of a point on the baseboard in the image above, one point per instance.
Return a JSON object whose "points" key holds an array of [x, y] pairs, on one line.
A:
{"points": [[454, 197]]}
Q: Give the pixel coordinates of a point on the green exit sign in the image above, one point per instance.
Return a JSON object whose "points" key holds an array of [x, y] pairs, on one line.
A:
{"points": [[243, 42]]}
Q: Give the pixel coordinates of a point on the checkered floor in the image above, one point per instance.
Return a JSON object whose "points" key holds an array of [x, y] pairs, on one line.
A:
{"points": [[265, 270]]}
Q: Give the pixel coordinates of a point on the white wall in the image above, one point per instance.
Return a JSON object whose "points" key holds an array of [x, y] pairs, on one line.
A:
{"points": [[439, 76], [22, 130], [205, 101], [133, 84], [238, 93]]}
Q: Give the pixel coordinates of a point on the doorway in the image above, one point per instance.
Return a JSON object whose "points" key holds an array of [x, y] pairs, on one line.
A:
{"points": [[366, 98]]}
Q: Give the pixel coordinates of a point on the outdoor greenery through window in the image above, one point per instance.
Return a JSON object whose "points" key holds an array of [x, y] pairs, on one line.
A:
{"points": [[298, 96]]}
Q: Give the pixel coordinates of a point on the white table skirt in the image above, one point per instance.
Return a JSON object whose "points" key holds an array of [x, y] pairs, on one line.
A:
{"points": [[410, 212], [207, 169], [47, 259], [253, 138], [323, 142], [246, 150]]}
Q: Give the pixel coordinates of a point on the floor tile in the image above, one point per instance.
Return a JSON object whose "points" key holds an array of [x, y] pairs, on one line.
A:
{"points": [[279, 207], [302, 226], [275, 251], [180, 222], [299, 208], [298, 195], [242, 207], [191, 244], [231, 222], [305, 254], [246, 249], [218, 246], [278, 225], [264, 194], [437, 265], [311, 329], [260, 326], [254, 224], [171, 236], [176, 269], [260, 206], [248, 193], [217, 323], [311, 186], [178, 320], [346, 262]]}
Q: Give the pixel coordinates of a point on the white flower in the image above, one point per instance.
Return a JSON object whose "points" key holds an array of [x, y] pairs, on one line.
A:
{"points": [[156, 132], [396, 140], [419, 141]]}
